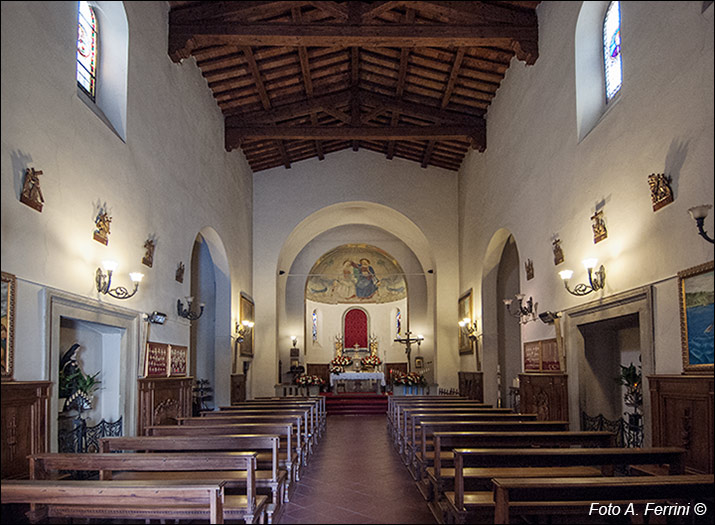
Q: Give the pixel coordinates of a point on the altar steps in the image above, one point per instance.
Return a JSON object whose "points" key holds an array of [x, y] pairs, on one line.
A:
{"points": [[355, 404]]}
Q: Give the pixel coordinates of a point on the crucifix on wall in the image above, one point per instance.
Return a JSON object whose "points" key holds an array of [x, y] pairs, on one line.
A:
{"points": [[408, 341]]}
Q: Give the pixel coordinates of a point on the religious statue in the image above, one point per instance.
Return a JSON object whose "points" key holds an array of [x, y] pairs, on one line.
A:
{"points": [[338, 345], [102, 222], [148, 259], [180, 272], [529, 267], [31, 192], [373, 345], [660, 192], [558, 252], [599, 227]]}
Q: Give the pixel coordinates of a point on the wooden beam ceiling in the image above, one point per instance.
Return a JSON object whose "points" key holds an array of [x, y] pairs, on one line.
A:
{"points": [[302, 79]]}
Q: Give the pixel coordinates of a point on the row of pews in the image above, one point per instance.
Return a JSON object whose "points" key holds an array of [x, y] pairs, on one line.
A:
{"points": [[474, 463], [241, 463]]}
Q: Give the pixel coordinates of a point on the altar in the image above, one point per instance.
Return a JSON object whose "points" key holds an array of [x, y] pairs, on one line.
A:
{"points": [[358, 382]]}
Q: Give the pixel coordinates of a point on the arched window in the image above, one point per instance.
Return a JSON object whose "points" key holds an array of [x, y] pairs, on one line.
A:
{"points": [[398, 323], [612, 65], [315, 325], [87, 40]]}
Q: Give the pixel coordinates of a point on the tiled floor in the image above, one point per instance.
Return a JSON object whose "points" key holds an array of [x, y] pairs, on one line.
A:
{"points": [[355, 476]]}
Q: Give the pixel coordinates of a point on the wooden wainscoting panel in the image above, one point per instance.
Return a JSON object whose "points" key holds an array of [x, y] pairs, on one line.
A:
{"points": [[682, 416], [25, 420]]}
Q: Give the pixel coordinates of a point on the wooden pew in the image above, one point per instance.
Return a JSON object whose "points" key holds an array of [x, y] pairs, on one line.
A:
{"points": [[289, 458], [269, 478], [475, 468], [414, 419], [394, 411], [313, 420], [317, 405], [259, 415], [237, 468], [120, 499], [550, 496], [302, 438]]}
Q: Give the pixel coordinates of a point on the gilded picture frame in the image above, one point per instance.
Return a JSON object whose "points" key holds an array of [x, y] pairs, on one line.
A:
{"points": [[465, 311], [247, 308], [7, 319], [695, 288]]}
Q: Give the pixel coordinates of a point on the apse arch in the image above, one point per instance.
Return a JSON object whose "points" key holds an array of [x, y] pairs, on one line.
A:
{"points": [[211, 279]]}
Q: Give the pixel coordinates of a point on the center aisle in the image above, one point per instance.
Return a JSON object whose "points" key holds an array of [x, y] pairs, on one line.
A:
{"points": [[356, 476]]}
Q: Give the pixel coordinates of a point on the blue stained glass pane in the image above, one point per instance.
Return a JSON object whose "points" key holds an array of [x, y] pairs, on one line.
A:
{"points": [[315, 325], [398, 323], [612, 63]]}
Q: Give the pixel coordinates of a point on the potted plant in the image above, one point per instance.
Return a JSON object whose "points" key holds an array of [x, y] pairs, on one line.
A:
{"points": [[370, 362], [312, 383], [631, 377], [412, 383]]}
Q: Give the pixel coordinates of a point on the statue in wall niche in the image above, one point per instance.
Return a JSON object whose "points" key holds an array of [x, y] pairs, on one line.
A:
{"points": [[180, 272], [529, 267], [31, 192], [660, 191], [75, 386]]}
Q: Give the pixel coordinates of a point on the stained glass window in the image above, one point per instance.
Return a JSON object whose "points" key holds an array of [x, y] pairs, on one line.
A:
{"points": [[398, 323], [315, 325], [87, 49], [612, 50]]}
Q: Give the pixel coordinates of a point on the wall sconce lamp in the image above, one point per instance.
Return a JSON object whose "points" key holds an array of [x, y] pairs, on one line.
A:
{"points": [[699, 213], [524, 313], [104, 281], [596, 279], [242, 330], [469, 327], [187, 313], [549, 317], [294, 339]]}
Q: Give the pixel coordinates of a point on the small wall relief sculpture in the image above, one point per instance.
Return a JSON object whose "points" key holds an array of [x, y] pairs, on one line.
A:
{"points": [[529, 267], [180, 272], [558, 252], [31, 192], [660, 191], [599, 227], [149, 246], [101, 223]]}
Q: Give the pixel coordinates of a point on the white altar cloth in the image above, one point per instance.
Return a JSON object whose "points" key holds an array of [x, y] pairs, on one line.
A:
{"points": [[358, 376]]}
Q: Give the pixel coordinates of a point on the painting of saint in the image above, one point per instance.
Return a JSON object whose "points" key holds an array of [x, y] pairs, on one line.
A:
{"points": [[366, 280]]}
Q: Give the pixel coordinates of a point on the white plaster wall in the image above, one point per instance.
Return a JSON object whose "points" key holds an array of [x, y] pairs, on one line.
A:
{"points": [[427, 198], [170, 179], [535, 180]]}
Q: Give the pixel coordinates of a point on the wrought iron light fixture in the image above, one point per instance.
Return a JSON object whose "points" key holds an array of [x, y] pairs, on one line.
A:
{"points": [[699, 213], [242, 330], [523, 312], [104, 281], [469, 327], [294, 339], [596, 279], [187, 313]]}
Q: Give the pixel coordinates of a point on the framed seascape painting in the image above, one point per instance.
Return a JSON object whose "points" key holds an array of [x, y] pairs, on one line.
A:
{"points": [[9, 284], [695, 286], [465, 312], [247, 314]]}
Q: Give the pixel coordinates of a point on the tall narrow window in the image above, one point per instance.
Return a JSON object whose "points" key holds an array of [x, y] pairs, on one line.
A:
{"points": [[398, 323], [315, 325], [87, 49], [613, 67]]}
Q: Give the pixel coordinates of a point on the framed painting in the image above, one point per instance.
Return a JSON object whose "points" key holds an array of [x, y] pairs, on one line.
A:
{"points": [[9, 286], [178, 356], [247, 314], [157, 360], [542, 356], [465, 312], [695, 286]]}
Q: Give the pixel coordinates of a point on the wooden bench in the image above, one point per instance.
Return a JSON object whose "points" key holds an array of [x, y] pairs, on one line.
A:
{"points": [[238, 469], [585, 496], [289, 448], [475, 468], [394, 412], [120, 499], [414, 420], [317, 406], [269, 478], [313, 420], [434, 481]]}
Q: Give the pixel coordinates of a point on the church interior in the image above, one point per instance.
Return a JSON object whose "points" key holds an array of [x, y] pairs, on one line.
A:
{"points": [[360, 213]]}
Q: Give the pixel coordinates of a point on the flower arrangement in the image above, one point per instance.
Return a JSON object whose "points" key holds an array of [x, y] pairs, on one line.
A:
{"points": [[341, 360], [337, 369], [308, 380], [411, 379], [370, 360]]}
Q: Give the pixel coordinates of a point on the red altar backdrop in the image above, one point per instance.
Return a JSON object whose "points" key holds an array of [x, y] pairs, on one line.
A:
{"points": [[355, 328]]}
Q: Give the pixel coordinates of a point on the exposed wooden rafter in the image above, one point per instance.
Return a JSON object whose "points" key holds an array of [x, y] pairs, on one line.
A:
{"points": [[407, 79]]}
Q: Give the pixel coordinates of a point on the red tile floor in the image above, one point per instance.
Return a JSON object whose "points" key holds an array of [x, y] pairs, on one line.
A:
{"points": [[356, 476]]}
